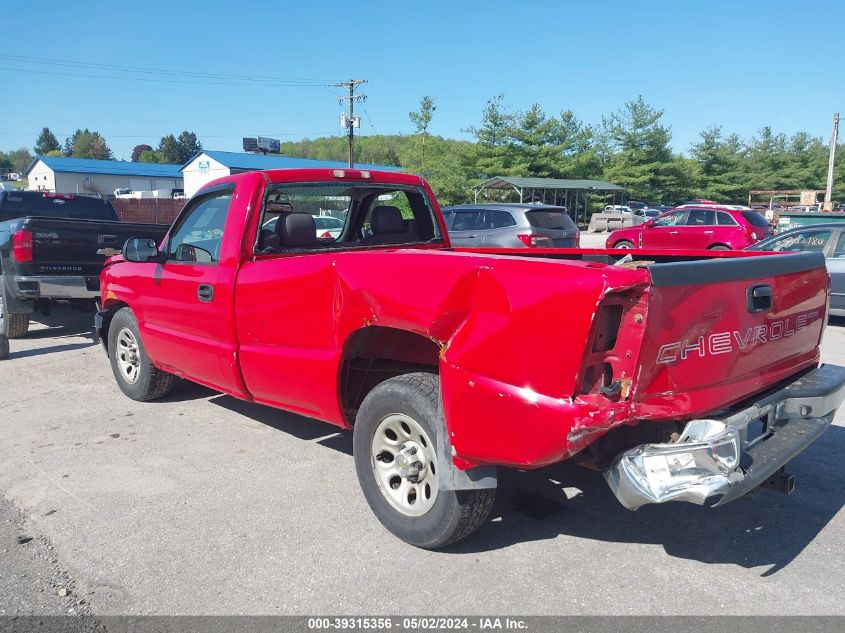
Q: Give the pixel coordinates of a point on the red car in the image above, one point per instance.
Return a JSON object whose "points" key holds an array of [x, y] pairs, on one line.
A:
{"points": [[695, 378], [715, 227]]}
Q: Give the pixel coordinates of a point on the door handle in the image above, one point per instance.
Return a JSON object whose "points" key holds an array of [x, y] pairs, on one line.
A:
{"points": [[205, 292], [708, 232], [673, 232]]}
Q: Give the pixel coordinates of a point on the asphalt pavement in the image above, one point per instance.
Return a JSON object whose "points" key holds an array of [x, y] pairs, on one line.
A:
{"points": [[202, 504]]}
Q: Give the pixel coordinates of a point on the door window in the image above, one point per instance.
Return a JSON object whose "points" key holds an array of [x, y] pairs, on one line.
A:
{"points": [[199, 235], [701, 217], [498, 219], [669, 219], [467, 220]]}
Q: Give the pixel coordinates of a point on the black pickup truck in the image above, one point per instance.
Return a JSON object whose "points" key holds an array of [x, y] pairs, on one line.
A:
{"points": [[52, 247]]}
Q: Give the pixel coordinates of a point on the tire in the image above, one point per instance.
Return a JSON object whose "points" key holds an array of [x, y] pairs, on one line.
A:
{"points": [[135, 374], [12, 325], [431, 520], [719, 247], [4, 346], [623, 244]]}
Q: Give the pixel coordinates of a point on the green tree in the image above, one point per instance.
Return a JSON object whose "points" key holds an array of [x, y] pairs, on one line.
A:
{"points": [[5, 163], [151, 156], [20, 159], [46, 142], [87, 144], [719, 167], [178, 150], [188, 146], [138, 150], [642, 160], [168, 148], [421, 120], [492, 153]]}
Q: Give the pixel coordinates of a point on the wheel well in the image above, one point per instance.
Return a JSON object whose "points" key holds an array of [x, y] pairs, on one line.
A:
{"points": [[720, 246], [373, 354], [112, 310]]}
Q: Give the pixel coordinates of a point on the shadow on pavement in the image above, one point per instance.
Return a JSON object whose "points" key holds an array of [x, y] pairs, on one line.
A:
{"points": [[761, 529], [299, 426], [47, 350]]}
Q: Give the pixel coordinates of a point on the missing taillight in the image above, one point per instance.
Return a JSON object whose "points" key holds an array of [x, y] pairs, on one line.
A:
{"points": [[607, 328]]}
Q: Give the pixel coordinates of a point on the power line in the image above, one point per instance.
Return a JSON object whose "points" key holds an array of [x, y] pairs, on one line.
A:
{"points": [[163, 71], [161, 80]]}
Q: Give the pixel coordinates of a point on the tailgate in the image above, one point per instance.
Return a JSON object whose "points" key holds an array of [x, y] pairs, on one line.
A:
{"points": [[79, 247], [722, 330]]}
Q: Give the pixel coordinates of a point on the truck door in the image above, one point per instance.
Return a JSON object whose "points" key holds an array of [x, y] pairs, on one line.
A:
{"points": [[180, 311]]}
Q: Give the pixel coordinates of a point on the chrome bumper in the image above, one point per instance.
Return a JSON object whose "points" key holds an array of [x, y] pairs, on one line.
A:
{"points": [[718, 460], [66, 287]]}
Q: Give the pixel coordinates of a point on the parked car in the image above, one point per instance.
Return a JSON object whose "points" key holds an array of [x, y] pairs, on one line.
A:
{"points": [[712, 227], [617, 208], [446, 363], [828, 239], [511, 225], [644, 215], [52, 247]]}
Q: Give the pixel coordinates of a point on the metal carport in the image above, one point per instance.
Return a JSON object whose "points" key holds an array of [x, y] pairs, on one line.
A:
{"points": [[557, 191]]}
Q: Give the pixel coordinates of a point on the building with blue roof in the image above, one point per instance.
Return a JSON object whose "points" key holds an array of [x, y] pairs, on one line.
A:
{"points": [[209, 165], [61, 174]]}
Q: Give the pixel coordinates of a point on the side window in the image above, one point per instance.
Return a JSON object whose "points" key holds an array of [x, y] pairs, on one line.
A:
{"points": [[725, 219], [498, 219], [669, 219], [839, 251], [448, 216], [801, 242], [469, 220], [701, 217], [200, 233]]}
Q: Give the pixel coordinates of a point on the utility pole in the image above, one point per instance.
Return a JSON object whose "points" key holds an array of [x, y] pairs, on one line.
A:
{"points": [[350, 121], [828, 202]]}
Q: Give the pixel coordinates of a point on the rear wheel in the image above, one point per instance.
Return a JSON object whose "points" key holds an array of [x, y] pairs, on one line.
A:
{"points": [[12, 325], [395, 449], [135, 373], [623, 244], [719, 247]]}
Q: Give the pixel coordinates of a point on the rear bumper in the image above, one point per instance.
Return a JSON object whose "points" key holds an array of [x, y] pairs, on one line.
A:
{"points": [[57, 287], [719, 460]]}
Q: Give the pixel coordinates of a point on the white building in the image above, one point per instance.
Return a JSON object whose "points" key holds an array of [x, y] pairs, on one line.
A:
{"points": [[209, 165], [60, 174]]}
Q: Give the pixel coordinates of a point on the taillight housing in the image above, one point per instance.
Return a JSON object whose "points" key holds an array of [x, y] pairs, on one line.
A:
{"points": [[578, 239], [535, 241], [22, 246]]}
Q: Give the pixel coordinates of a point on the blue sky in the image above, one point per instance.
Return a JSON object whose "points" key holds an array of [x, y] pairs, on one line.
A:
{"points": [[739, 64]]}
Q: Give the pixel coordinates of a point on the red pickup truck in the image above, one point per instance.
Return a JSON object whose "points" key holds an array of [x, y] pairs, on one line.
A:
{"points": [[691, 376]]}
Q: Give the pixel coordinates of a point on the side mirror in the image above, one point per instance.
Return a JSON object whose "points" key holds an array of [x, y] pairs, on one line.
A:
{"points": [[648, 224], [141, 250]]}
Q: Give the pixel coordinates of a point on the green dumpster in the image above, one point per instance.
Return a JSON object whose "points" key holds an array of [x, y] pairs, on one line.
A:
{"points": [[789, 220]]}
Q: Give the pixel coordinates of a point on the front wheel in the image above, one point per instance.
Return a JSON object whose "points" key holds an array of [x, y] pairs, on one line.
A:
{"points": [[623, 244], [395, 449], [719, 247], [133, 370]]}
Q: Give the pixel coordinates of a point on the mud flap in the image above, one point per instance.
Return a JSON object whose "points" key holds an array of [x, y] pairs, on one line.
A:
{"points": [[449, 476]]}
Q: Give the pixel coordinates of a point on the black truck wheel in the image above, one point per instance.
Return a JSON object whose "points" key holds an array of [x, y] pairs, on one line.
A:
{"points": [[136, 375], [395, 459], [12, 325]]}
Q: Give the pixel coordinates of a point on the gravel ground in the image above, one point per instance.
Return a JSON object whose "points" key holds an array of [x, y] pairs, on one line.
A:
{"points": [[201, 504]]}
